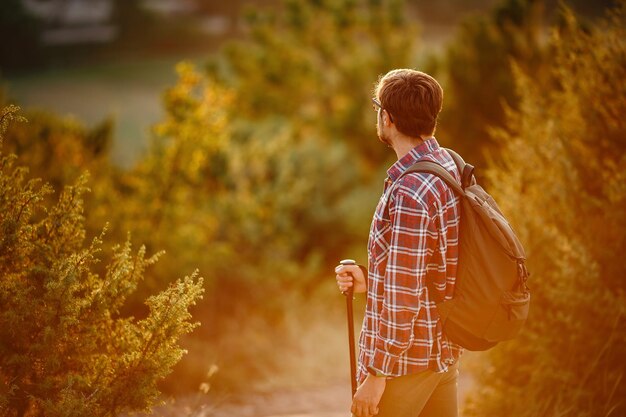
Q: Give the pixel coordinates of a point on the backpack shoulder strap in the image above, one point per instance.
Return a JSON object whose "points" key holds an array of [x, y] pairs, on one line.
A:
{"points": [[436, 169], [458, 160], [466, 170]]}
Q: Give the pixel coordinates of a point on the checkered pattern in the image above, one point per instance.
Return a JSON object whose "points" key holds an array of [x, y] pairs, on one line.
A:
{"points": [[413, 239]]}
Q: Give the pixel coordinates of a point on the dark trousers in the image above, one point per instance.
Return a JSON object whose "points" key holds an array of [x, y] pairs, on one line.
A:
{"points": [[425, 394]]}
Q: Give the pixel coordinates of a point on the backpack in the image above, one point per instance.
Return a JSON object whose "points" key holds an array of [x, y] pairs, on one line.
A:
{"points": [[491, 298]]}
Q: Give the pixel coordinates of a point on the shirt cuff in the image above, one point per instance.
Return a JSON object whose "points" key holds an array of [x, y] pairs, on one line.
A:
{"points": [[384, 362]]}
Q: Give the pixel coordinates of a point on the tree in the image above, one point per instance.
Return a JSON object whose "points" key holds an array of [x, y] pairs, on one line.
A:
{"points": [[256, 207], [561, 181], [478, 77], [48, 138], [65, 349], [315, 63]]}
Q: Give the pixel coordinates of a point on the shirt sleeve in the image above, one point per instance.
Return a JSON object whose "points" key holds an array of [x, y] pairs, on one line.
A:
{"points": [[412, 236]]}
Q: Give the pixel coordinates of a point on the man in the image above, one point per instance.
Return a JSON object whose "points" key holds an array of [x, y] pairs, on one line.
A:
{"points": [[407, 366]]}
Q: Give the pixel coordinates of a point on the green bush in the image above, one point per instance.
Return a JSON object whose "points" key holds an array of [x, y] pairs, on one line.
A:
{"points": [[478, 76], [315, 64], [562, 183], [65, 349], [260, 209]]}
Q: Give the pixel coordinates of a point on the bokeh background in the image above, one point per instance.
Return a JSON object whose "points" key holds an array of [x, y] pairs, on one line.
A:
{"points": [[239, 138]]}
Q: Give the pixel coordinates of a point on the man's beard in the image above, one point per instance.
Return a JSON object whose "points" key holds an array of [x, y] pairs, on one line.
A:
{"points": [[383, 138]]}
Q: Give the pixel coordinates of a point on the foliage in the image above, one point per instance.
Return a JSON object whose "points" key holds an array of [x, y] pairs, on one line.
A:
{"points": [[256, 177], [256, 210], [563, 184], [65, 350], [265, 170], [315, 63], [478, 77], [47, 139]]}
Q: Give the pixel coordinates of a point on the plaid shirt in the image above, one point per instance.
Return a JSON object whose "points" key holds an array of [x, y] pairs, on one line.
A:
{"points": [[413, 238]]}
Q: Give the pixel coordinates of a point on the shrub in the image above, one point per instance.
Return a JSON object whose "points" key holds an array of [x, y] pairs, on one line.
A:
{"points": [[562, 183], [65, 349], [478, 77], [315, 64]]}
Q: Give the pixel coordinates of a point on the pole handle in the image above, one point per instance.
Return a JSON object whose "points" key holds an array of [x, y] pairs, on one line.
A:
{"points": [[350, 291]]}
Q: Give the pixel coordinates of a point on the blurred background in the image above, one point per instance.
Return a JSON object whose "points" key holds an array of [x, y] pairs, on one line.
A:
{"points": [[238, 137]]}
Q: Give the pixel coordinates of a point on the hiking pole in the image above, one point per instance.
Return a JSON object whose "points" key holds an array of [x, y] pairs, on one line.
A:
{"points": [[349, 293]]}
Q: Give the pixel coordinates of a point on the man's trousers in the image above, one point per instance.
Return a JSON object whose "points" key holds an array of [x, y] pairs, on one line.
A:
{"points": [[425, 394]]}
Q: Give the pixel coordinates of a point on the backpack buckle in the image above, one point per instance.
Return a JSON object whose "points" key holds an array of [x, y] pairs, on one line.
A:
{"points": [[523, 274], [467, 176]]}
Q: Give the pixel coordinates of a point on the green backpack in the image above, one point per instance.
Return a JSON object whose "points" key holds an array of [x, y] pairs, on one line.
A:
{"points": [[491, 298]]}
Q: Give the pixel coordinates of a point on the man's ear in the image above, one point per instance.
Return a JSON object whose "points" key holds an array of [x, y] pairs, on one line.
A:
{"points": [[386, 118]]}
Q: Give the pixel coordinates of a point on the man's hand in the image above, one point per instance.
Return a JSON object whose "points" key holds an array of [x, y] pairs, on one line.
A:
{"points": [[345, 274], [368, 395]]}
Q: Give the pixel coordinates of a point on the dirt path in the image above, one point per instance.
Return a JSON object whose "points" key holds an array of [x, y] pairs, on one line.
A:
{"points": [[328, 401], [332, 400]]}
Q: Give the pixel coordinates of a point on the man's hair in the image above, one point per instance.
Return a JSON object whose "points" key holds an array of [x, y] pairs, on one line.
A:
{"points": [[412, 98]]}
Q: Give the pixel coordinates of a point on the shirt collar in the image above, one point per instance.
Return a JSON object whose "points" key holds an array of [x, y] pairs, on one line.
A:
{"points": [[427, 146]]}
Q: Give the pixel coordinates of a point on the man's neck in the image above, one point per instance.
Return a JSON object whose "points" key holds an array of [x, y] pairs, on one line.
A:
{"points": [[403, 145]]}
